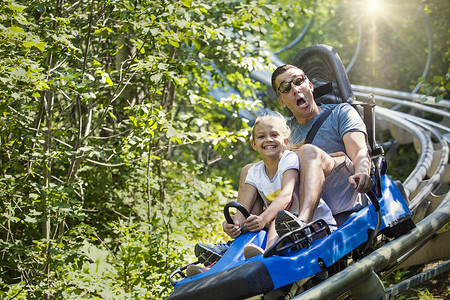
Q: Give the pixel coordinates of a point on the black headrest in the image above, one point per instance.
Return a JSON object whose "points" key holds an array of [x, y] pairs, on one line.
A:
{"points": [[322, 65]]}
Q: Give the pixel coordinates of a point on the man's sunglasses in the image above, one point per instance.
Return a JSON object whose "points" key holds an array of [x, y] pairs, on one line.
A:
{"points": [[285, 86]]}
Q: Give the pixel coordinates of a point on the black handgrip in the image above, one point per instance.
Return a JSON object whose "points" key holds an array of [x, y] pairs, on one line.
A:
{"points": [[238, 206], [374, 200], [380, 168]]}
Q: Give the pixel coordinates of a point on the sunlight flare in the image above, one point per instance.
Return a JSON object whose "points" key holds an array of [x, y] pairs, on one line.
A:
{"points": [[373, 6]]}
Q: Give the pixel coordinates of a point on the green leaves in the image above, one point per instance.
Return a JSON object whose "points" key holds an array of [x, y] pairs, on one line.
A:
{"points": [[35, 43], [438, 86], [187, 3], [116, 154]]}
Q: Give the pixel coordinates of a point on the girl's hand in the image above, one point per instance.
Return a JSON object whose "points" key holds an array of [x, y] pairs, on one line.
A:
{"points": [[233, 230], [255, 223]]}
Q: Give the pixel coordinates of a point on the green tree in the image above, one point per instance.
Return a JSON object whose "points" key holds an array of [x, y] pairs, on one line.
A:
{"points": [[110, 136]]}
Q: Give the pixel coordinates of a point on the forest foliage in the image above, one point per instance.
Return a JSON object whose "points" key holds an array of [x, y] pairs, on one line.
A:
{"points": [[116, 152]]}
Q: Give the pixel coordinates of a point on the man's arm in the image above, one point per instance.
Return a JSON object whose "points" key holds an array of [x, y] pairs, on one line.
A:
{"points": [[356, 148]]}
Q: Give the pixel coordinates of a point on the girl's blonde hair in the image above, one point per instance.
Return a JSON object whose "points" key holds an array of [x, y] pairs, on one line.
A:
{"points": [[275, 117]]}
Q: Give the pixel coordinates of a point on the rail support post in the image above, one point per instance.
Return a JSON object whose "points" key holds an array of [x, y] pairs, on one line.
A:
{"points": [[370, 289]]}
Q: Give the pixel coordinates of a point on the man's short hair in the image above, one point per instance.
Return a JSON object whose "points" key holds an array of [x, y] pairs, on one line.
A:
{"points": [[278, 71]]}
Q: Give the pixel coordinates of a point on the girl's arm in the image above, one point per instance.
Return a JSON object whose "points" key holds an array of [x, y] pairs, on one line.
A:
{"points": [[288, 184], [248, 200]]}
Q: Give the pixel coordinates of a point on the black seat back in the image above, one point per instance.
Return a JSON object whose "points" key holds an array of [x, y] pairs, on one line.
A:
{"points": [[322, 65]]}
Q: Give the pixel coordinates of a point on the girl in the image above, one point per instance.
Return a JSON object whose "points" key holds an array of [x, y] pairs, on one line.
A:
{"points": [[275, 179]]}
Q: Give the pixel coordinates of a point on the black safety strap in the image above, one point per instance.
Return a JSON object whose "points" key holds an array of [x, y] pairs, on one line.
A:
{"points": [[312, 132]]}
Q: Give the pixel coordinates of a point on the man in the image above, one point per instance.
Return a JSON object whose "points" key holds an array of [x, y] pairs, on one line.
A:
{"points": [[335, 166]]}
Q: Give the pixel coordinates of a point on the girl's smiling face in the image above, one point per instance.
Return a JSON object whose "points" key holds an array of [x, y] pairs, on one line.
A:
{"points": [[270, 139]]}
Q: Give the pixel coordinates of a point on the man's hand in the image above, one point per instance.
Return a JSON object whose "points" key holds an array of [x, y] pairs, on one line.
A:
{"points": [[233, 230], [356, 147], [255, 223], [361, 182]]}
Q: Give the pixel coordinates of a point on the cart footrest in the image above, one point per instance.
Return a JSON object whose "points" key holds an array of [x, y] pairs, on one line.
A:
{"points": [[298, 238]]}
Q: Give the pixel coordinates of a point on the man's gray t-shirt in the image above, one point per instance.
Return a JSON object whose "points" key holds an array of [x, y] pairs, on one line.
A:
{"points": [[343, 119]]}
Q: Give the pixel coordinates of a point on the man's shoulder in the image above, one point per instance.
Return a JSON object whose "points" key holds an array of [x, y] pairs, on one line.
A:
{"points": [[340, 110], [339, 106]]}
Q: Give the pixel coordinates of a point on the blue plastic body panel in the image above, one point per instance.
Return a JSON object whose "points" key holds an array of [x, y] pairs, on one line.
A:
{"points": [[299, 264]]}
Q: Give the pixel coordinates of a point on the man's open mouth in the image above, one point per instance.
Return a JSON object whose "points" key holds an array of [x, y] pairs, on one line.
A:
{"points": [[300, 102]]}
